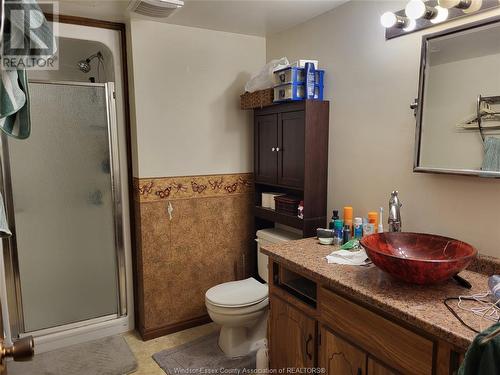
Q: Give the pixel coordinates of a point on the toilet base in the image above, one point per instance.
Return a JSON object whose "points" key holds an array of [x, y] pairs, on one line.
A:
{"points": [[240, 341]]}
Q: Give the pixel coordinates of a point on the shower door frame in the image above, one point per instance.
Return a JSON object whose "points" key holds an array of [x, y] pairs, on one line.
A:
{"points": [[13, 277]]}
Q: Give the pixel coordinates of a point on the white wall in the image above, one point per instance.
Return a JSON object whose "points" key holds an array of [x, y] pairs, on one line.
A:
{"points": [[186, 87], [371, 83]]}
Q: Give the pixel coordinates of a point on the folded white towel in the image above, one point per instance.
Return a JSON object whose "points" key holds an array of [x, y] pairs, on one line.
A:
{"points": [[353, 258]]}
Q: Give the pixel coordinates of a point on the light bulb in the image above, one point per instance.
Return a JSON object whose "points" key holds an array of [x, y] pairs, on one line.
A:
{"points": [[442, 15], [475, 5], [412, 24], [388, 20], [415, 9]]}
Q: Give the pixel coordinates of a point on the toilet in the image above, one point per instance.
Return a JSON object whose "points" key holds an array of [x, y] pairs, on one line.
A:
{"points": [[241, 307]]}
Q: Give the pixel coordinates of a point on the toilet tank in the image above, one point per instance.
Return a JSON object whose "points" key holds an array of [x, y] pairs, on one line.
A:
{"points": [[271, 236]]}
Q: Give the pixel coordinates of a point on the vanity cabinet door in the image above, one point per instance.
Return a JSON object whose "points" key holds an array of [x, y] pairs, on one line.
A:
{"points": [[375, 368], [291, 144], [266, 144], [338, 356], [292, 337]]}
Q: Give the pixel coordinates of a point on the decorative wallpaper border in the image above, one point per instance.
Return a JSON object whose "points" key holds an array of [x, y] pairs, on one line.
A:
{"points": [[187, 187]]}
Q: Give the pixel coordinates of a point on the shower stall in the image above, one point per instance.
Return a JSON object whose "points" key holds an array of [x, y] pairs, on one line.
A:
{"points": [[64, 203]]}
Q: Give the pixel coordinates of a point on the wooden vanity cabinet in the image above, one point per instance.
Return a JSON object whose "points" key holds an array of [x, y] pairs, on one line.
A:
{"points": [[330, 331], [338, 356], [294, 336]]}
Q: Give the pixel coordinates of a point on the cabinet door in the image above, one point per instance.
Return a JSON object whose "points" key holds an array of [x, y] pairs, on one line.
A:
{"points": [[266, 143], [375, 368], [292, 337], [291, 133], [337, 356]]}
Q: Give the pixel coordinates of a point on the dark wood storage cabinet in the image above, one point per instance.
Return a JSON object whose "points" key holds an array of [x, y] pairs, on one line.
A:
{"points": [[291, 157]]}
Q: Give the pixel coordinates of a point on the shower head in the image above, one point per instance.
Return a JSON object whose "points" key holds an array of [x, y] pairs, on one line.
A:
{"points": [[84, 65]]}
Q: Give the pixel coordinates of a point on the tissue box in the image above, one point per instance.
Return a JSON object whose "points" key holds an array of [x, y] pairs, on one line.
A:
{"points": [[268, 200]]}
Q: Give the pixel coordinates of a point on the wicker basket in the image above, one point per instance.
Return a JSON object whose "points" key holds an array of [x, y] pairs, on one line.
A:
{"points": [[287, 204], [257, 99]]}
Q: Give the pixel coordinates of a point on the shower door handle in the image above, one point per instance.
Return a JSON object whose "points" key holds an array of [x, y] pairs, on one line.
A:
{"points": [[22, 350]]}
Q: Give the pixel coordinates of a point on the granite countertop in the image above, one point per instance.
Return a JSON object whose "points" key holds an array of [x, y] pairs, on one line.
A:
{"points": [[420, 306]]}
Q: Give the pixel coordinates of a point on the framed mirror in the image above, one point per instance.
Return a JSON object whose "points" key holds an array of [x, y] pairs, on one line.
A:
{"points": [[458, 105]]}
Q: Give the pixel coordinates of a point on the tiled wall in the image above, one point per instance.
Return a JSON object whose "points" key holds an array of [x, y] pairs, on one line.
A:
{"points": [[207, 240]]}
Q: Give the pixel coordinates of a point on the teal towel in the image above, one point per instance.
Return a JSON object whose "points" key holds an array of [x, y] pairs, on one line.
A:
{"points": [[14, 103], [482, 359], [491, 161], [14, 96]]}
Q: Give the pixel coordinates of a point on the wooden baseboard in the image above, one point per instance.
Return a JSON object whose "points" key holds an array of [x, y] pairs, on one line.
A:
{"points": [[148, 334]]}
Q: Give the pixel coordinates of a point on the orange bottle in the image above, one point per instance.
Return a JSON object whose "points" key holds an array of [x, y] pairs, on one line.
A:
{"points": [[348, 216], [373, 219]]}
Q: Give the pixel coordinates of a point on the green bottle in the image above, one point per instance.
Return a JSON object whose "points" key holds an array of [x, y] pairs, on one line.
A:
{"points": [[335, 216]]}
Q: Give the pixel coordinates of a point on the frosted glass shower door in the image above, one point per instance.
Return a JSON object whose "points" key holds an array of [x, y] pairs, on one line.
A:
{"points": [[63, 207]]}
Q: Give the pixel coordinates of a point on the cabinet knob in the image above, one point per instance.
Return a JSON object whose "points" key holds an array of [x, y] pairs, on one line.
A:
{"points": [[273, 149], [277, 149]]}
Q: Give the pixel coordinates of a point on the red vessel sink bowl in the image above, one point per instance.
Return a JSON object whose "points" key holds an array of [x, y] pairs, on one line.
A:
{"points": [[418, 258]]}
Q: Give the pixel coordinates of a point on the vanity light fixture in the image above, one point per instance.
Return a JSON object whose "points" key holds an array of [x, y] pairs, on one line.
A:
{"points": [[422, 14]]}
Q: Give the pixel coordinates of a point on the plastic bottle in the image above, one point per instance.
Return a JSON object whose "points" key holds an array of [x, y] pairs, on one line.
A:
{"points": [[339, 232], [348, 217], [358, 228], [367, 228], [335, 216], [373, 218], [310, 80], [347, 234]]}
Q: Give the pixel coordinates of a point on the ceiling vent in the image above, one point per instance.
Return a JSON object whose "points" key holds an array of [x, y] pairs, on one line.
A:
{"points": [[155, 8]]}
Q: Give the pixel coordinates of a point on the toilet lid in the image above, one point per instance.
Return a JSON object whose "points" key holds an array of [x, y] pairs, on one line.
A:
{"points": [[237, 293]]}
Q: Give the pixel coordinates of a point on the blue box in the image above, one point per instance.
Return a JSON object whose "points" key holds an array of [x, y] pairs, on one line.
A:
{"points": [[296, 75], [294, 92]]}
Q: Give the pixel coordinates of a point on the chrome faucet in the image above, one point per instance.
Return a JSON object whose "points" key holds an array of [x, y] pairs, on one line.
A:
{"points": [[394, 213]]}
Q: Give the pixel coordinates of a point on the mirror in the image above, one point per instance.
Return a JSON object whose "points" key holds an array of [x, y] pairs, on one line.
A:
{"points": [[458, 113]]}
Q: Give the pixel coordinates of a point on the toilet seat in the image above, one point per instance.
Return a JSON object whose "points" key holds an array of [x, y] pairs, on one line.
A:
{"points": [[237, 311], [236, 294]]}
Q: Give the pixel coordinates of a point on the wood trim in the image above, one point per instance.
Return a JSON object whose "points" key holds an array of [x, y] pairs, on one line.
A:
{"points": [[148, 334], [121, 28]]}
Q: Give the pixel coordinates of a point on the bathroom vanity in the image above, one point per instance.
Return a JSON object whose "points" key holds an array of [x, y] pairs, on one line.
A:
{"points": [[358, 320]]}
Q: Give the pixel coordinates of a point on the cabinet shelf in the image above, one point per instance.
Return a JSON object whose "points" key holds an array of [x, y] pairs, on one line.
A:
{"points": [[278, 217], [288, 188]]}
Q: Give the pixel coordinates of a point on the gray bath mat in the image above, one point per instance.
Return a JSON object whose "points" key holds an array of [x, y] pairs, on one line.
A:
{"points": [[199, 355], [107, 356]]}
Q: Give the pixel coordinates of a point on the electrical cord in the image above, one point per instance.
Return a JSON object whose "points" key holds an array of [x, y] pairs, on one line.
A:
{"points": [[455, 314]]}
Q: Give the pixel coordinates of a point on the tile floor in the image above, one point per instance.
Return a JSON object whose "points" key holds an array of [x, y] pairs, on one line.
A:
{"points": [[143, 350]]}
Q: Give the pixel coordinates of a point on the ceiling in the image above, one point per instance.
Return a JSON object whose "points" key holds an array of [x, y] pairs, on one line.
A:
{"points": [[251, 17]]}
